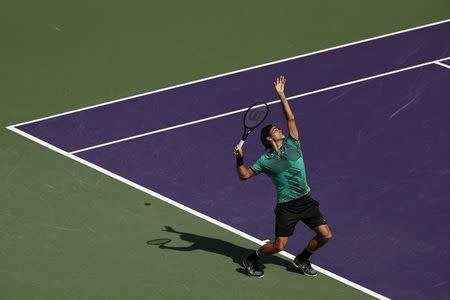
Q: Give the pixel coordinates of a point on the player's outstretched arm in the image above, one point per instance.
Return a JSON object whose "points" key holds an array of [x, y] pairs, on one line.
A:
{"points": [[244, 172], [279, 87]]}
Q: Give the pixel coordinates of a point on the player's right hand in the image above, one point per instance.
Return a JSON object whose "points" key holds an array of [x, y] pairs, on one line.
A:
{"points": [[238, 151]]}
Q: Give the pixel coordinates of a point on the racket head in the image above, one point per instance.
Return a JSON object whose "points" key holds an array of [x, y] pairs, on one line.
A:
{"points": [[254, 116]]}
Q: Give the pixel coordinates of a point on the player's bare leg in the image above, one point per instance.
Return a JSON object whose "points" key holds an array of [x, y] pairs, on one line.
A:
{"points": [[323, 235], [250, 262], [301, 261], [273, 247]]}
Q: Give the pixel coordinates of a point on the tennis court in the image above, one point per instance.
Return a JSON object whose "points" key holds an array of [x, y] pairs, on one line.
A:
{"points": [[374, 119]]}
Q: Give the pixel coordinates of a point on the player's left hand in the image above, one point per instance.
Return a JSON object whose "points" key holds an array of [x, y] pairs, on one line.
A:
{"points": [[279, 84]]}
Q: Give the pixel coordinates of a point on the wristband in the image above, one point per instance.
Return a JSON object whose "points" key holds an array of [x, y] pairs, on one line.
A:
{"points": [[239, 161]]}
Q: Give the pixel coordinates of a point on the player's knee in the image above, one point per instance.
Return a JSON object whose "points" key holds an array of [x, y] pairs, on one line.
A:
{"points": [[326, 236], [279, 247]]}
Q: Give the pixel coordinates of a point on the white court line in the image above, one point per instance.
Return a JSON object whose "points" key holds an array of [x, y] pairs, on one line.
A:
{"points": [[152, 193], [443, 65], [189, 210], [244, 109], [238, 71]]}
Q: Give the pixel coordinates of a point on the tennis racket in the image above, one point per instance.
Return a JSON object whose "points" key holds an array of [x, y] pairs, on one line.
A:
{"points": [[254, 116]]}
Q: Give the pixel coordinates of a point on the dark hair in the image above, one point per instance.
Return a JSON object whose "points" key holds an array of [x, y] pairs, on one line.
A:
{"points": [[265, 133]]}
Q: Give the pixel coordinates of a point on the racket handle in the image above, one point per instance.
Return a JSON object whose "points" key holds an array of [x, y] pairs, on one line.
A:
{"points": [[241, 143]]}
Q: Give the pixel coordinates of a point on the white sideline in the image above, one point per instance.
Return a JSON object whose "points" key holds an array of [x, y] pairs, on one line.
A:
{"points": [[189, 210], [185, 208], [243, 109]]}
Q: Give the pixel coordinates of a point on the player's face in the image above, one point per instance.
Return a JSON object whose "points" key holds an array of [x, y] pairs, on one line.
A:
{"points": [[276, 133]]}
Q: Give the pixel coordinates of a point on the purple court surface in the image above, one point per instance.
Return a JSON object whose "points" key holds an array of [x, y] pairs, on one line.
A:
{"points": [[377, 153]]}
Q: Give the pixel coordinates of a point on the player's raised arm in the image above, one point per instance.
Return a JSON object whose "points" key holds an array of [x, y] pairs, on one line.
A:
{"points": [[279, 87], [244, 172]]}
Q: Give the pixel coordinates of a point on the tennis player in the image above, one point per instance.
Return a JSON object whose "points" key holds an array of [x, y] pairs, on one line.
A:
{"points": [[285, 166]]}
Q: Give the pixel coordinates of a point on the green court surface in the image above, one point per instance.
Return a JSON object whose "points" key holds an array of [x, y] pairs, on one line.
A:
{"points": [[70, 232]]}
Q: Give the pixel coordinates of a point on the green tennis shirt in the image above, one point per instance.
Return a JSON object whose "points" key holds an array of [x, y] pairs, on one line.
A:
{"points": [[286, 169]]}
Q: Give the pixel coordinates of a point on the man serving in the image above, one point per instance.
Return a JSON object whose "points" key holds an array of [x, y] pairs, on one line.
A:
{"points": [[285, 166]]}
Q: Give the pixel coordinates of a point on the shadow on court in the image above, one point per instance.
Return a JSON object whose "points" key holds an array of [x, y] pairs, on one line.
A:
{"points": [[235, 252]]}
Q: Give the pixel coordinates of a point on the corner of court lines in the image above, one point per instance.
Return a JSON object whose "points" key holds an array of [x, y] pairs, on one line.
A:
{"points": [[440, 62], [445, 63], [189, 210]]}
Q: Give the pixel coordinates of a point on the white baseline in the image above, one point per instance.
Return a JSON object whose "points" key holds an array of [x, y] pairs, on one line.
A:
{"points": [[237, 71]]}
